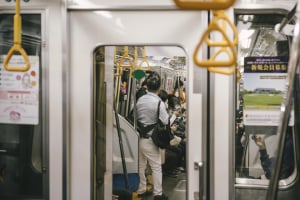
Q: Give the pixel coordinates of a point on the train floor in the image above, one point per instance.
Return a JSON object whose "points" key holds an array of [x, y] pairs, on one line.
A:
{"points": [[173, 187]]}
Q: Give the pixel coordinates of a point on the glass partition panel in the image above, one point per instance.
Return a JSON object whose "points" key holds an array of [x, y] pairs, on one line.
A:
{"points": [[23, 166], [263, 60]]}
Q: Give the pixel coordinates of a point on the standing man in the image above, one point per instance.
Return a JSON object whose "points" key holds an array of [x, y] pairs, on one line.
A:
{"points": [[148, 151]]}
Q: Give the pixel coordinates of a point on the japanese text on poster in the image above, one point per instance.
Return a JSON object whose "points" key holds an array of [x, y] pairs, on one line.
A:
{"points": [[264, 85], [19, 92]]}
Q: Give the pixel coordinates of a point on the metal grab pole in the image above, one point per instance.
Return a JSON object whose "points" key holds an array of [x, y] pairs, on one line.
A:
{"points": [[121, 146], [285, 109]]}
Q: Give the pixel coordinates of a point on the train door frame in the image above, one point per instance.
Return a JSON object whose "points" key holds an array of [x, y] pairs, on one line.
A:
{"points": [[243, 189], [196, 92], [43, 94], [53, 58]]}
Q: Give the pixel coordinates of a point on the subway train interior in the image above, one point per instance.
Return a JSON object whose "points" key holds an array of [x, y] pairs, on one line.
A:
{"points": [[71, 72]]}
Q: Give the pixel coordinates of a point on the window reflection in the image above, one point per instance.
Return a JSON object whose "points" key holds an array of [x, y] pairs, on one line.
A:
{"points": [[263, 60], [23, 162]]}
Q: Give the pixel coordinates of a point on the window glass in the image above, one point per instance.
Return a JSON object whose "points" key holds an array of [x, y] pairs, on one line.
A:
{"points": [[263, 57], [22, 150]]}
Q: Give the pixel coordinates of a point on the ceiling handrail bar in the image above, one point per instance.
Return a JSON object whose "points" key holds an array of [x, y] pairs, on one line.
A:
{"points": [[204, 4], [17, 44]]}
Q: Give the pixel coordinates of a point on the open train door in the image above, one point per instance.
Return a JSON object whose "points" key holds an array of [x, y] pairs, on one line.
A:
{"points": [[97, 36]]}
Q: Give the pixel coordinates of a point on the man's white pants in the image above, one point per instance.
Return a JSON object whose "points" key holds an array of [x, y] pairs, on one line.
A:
{"points": [[150, 152]]}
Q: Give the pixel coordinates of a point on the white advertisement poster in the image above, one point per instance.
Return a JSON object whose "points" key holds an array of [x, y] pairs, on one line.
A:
{"points": [[19, 92], [264, 85]]}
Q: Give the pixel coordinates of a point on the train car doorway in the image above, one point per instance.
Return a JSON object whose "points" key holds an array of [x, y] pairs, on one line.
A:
{"points": [[132, 65], [96, 80]]}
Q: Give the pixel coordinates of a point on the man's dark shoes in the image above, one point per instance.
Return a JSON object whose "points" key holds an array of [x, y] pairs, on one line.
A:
{"points": [[161, 197], [147, 193]]}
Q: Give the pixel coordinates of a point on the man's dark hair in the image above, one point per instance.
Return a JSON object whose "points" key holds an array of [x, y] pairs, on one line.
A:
{"points": [[153, 82], [173, 101], [163, 95], [141, 92], [178, 83]]}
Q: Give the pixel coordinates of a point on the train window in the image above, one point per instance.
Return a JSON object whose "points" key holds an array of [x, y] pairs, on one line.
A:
{"points": [[263, 60], [120, 74], [23, 157]]}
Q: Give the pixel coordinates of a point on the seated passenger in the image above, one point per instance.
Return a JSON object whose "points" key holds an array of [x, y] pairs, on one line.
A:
{"points": [[268, 163], [175, 154], [173, 103], [163, 95]]}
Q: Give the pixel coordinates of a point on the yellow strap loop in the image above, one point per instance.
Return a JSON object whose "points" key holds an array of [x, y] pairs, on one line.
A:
{"points": [[218, 69], [144, 60], [126, 56], [119, 72], [204, 4], [17, 48], [220, 16], [226, 45]]}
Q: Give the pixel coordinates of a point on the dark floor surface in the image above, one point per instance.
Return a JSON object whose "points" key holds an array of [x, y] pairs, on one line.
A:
{"points": [[173, 187]]}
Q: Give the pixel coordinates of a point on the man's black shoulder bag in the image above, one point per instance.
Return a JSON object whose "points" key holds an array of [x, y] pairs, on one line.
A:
{"points": [[161, 134]]}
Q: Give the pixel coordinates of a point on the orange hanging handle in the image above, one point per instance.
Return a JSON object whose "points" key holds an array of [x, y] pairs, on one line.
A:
{"points": [[17, 48], [120, 64], [226, 45], [119, 72], [204, 4], [144, 61], [126, 56], [218, 69], [230, 71], [220, 16]]}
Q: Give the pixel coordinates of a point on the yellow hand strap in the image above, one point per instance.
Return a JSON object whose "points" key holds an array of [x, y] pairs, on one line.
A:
{"points": [[220, 16], [17, 48], [230, 69], [226, 45], [144, 60], [120, 64], [126, 56]]}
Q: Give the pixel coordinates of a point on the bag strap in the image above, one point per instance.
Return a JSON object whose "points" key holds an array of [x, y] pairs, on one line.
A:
{"points": [[158, 108]]}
